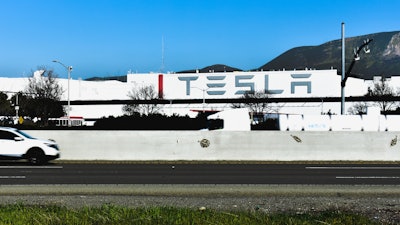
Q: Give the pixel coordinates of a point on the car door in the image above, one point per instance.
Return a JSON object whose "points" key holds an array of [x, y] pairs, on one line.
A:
{"points": [[9, 146]]}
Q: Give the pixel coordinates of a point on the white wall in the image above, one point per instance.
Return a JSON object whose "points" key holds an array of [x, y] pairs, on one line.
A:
{"points": [[225, 145], [323, 83], [369, 122]]}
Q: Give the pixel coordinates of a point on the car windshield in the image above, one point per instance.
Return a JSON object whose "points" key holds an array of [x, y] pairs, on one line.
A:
{"points": [[24, 134]]}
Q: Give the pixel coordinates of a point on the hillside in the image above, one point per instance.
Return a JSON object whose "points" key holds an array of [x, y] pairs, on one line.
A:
{"points": [[384, 58], [118, 78], [213, 68]]}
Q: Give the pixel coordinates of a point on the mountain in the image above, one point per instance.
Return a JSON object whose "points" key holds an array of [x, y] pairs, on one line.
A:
{"points": [[214, 68], [383, 59], [118, 78]]}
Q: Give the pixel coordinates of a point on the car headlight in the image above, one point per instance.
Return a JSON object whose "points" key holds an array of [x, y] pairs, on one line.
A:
{"points": [[55, 146]]}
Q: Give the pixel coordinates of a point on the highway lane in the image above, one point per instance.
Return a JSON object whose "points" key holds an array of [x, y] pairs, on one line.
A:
{"points": [[168, 173]]}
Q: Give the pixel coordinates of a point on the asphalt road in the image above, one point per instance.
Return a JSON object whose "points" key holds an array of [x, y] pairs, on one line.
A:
{"points": [[59, 173]]}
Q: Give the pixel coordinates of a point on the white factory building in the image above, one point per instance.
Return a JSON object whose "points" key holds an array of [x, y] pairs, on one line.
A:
{"points": [[287, 84], [280, 84]]}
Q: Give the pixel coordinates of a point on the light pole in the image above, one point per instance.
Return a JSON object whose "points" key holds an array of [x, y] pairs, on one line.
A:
{"points": [[16, 106], [69, 69], [356, 57], [343, 69], [204, 96]]}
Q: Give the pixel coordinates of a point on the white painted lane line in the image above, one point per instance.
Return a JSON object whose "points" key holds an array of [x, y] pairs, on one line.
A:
{"points": [[351, 168], [12, 177], [31, 167], [366, 177]]}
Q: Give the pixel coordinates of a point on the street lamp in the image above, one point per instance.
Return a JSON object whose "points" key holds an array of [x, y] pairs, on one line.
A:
{"points": [[204, 99], [356, 57], [16, 106], [69, 69]]}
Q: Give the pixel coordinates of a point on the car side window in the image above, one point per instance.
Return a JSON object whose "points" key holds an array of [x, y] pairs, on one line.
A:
{"points": [[5, 135]]}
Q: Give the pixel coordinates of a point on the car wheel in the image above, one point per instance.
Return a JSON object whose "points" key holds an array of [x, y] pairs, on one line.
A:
{"points": [[36, 157]]}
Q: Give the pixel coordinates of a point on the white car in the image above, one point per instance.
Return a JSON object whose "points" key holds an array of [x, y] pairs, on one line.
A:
{"points": [[15, 144]]}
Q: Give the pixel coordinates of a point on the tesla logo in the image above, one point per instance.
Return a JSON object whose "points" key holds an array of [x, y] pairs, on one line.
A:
{"points": [[245, 83], [302, 82]]}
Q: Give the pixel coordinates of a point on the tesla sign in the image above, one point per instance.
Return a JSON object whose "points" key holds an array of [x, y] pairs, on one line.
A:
{"points": [[219, 84]]}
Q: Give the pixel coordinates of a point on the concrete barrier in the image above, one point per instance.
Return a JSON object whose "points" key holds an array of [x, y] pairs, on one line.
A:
{"points": [[317, 123], [372, 121], [225, 145]]}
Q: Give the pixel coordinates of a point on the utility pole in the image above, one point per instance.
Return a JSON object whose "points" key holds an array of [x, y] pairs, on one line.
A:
{"points": [[343, 69], [69, 69], [356, 57]]}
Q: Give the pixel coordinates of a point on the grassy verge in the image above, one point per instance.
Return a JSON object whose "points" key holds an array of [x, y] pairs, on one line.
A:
{"points": [[204, 190], [109, 214]]}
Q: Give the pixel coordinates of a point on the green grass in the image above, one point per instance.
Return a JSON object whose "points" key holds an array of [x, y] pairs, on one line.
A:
{"points": [[110, 214]]}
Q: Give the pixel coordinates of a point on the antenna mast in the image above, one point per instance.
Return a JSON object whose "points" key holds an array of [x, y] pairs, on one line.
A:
{"points": [[162, 55]]}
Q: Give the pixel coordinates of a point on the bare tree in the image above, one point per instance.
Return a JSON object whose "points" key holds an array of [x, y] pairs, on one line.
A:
{"points": [[43, 95], [142, 93], [382, 90], [43, 84], [255, 107], [358, 108]]}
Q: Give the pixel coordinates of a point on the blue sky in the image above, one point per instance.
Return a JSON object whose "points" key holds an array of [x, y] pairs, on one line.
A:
{"points": [[106, 38]]}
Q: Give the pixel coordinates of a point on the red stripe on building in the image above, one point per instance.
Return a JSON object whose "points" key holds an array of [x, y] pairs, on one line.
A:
{"points": [[160, 86]]}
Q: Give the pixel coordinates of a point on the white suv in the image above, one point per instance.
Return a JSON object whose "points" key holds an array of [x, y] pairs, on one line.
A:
{"points": [[15, 144]]}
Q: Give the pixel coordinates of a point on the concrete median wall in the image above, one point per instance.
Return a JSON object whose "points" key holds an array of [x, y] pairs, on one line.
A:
{"points": [[225, 145]]}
